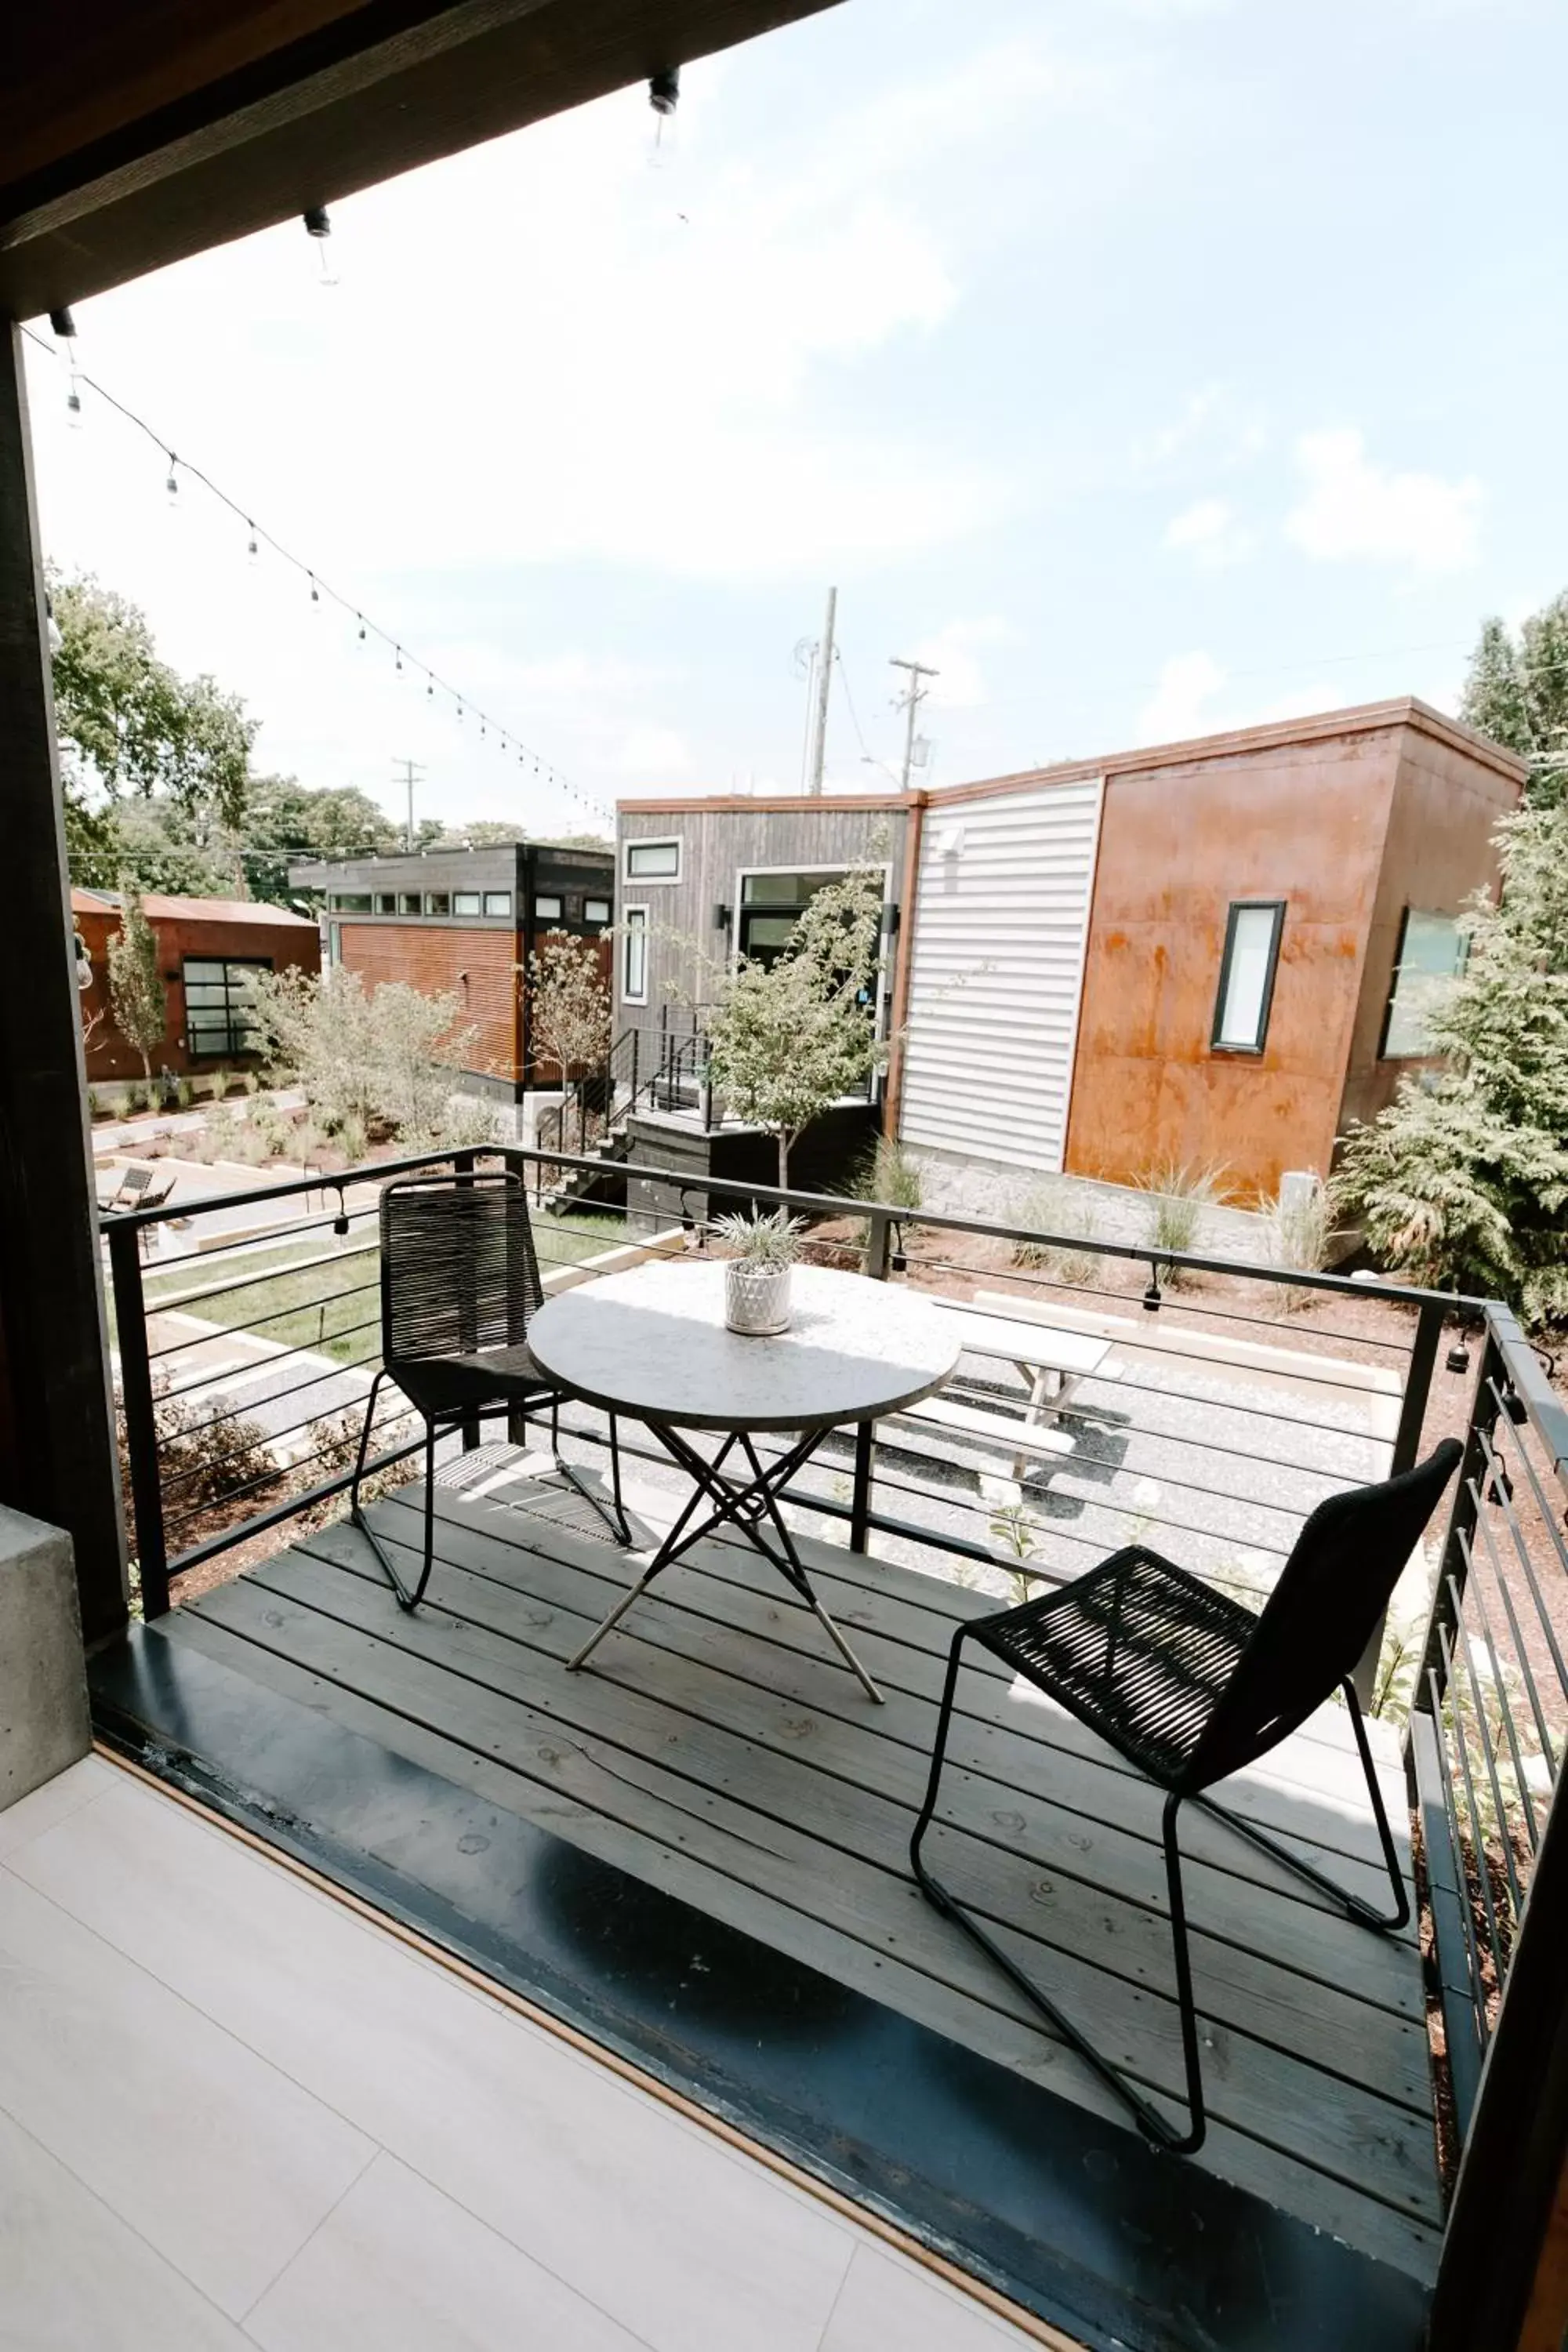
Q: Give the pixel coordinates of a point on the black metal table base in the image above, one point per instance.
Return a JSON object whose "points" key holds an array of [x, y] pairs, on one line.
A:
{"points": [[749, 1504]]}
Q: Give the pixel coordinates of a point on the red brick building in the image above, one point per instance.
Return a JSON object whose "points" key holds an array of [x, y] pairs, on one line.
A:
{"points": [[207, 948], [464, 922]]}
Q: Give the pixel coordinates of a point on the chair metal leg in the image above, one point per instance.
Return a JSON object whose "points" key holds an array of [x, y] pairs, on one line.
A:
{"points": [[1362, 1913], [405, 1598], [614, 1516], [1152, 2125]]}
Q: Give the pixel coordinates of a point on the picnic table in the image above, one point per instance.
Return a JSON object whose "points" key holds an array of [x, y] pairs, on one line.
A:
{"points": [[1049, 1359]]}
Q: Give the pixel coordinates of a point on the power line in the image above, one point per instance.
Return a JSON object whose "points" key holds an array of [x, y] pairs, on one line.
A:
{"points": [[866, 750], [321, 588]]}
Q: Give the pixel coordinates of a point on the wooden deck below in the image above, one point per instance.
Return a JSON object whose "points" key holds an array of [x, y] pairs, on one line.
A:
{"points": [[717, 1750]]}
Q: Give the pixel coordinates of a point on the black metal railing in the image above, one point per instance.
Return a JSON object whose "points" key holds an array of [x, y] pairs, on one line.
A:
{"points": [[1488, 1729], [648, 1067], [1221, 1416]]}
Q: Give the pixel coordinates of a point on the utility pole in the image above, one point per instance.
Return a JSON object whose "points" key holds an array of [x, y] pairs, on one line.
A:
{"points": [[910, 701], [412, 771], [824, 683]]}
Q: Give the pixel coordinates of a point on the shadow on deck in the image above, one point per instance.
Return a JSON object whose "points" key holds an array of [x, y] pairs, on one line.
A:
{"points": [[697, 1852]]}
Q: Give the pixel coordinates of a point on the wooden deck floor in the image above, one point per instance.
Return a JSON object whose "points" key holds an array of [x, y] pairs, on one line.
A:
{"points": [[717, 1750]]}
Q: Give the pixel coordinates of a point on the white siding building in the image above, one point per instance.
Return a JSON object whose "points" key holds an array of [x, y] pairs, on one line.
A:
{"points": [[1000, 927]]}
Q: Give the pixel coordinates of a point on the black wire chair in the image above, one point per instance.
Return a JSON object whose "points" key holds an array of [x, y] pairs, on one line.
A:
{"points": [[460, 1281], [1192, 1686]]}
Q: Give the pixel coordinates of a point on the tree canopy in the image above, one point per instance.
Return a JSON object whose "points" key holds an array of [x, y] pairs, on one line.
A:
{"points": [[131, 726], [785, 1043], [1517, 692], [1463, 1180]]}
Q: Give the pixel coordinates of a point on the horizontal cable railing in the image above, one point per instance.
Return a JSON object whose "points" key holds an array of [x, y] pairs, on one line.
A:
{"points": [[1230, 1398]]}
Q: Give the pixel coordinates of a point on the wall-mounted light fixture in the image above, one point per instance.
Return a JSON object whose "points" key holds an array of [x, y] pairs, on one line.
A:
{"points": [[721, 918]]}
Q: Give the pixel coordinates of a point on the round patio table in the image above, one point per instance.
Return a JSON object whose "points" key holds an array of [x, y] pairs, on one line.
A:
{"points": [[653, 1344]]}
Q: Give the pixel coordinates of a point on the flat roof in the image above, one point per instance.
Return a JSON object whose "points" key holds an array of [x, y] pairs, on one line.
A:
{"points": [[768, 803], [1357, 718], [160, 908]]}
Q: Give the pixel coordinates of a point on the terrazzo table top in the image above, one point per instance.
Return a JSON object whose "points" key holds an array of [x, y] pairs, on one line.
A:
{"points": [[652, 1343]]}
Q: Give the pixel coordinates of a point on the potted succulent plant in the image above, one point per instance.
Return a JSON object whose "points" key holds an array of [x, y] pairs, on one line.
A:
{"points": [[756, 1279]]}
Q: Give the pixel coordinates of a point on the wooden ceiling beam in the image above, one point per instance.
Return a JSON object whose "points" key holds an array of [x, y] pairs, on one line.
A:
{"points": [[360, 98]]}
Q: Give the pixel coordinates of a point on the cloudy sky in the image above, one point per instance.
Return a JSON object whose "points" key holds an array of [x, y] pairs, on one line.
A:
{"points": [[1149, 368]]}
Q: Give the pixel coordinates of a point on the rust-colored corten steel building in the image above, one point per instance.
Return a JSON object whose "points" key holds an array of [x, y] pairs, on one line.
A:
{"points": [[464, 922], [207, 950], [1212, 954]]}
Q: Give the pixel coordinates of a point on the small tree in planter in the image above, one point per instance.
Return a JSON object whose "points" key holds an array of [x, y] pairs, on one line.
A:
{"points": [[568, 1010], [135, 983], [787, 1042]]}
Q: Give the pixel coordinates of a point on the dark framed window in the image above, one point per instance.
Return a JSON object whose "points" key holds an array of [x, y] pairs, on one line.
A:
{"points": [[498, 902], [465, 902], [351, 902], [1432, 951], [595, 911], [437, 902], [546, 907], [386, 902], [1247, 975], [220, 1009], [634, 956], [409, 902], [654, 861]]}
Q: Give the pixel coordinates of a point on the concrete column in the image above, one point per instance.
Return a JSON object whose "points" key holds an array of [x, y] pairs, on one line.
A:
{"points": [[43, 1677]]}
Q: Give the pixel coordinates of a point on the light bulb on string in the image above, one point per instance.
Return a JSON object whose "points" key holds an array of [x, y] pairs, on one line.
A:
{"points": [[172, 485], [663, 96], [251, 549], [397, 663], [360, 618], [315, 591]]}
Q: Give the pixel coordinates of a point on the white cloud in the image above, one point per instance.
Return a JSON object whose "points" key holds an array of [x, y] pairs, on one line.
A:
{"points": [[961, 683], [1228, 431], [1356, 509], [1211, 533], [1180, 706]]}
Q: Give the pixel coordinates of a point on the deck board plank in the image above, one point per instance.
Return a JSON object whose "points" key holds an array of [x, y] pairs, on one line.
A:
{"points": [[718, 1752]]}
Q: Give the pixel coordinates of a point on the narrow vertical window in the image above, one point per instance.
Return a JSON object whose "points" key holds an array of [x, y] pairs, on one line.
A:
{"points": [[634, 956], [1247, 975]]}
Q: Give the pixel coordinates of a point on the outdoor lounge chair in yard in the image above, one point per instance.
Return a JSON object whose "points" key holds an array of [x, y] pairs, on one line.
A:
{"points": [[1190, 1687], [459, 1280]]}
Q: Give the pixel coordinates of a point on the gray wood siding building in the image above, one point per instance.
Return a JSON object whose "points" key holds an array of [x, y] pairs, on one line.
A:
{"points": [[698, 880]]}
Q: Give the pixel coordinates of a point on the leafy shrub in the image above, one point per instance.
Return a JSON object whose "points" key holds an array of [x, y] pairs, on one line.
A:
{"points": [[469, 1124], [389, 1057], [206, 1462], [1057, 1208], [352, 1139], [184, 1094]]}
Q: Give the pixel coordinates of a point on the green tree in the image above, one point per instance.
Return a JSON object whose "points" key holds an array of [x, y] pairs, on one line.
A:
{"points": [[286, 821], [158, 848], [1517, 692], [787, 1040], [569, 1009], [131, 726], [1463, 1180], [135, 980]]}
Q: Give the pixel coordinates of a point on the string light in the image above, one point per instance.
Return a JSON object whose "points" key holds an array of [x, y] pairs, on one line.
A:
{"points": [[320, 590]]}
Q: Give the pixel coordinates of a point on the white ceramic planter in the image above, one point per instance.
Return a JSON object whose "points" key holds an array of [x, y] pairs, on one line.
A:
{"points": [[756, 1297]]}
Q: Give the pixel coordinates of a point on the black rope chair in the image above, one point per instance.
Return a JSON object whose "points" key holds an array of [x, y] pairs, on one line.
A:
{"points": [[1192, 1686], [459, 1280]]}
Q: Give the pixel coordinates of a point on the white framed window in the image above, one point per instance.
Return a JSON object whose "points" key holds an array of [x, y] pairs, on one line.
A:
{"points": [[498, 902], [465, 902], [546, 910], [634, 956], [1432, 951], [595, 911], [654, 861], [1247, 975]]}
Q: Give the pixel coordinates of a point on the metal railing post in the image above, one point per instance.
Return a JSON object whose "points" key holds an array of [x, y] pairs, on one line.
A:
{"points": [[1406, 1447], [463, 1166], [878, 1238], [136, 1402], [1452, 1570]]}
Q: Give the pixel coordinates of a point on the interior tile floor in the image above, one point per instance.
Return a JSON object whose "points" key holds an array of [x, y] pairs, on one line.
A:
{"points": [[234, 2112]]}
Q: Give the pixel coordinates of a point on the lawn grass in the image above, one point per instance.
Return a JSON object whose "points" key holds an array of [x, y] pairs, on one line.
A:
{"points": [[334, 1309]]}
